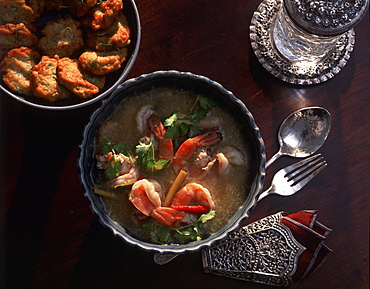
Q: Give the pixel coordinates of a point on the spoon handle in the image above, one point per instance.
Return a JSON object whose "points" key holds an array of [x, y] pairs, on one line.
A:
{"points": [[164, 258], [274, 158]]}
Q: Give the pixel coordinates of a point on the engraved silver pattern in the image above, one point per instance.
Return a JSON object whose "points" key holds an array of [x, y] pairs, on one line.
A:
{"points": [[264, 49], [327, 17], [263, 252]]}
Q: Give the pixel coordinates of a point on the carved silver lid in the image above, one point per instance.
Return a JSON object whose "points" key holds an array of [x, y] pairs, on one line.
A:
{"points": [[263, 252], [329, 17]]}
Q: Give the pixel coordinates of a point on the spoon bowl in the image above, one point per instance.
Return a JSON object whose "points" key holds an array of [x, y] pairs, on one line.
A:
{"points": [[303, 132]]}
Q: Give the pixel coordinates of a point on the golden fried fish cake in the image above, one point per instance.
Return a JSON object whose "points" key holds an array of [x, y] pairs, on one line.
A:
{"points": [[16, 35], [103, 15], [44, 83], [98, 80], [16, 11], [54, 5], [115, 36], [102, 62], [62, 37], [79, 8], [3, 52], [75, 79], [37, 6], [16, 67]]}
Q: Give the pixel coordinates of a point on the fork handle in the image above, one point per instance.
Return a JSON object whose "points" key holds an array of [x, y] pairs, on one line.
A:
{"points": [[269, 191]]}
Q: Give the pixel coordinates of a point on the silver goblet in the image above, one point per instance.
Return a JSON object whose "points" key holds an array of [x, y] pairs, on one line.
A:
{"points": [[305, 41]]}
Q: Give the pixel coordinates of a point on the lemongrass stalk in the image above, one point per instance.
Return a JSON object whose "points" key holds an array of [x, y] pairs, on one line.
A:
{"points": [[174, 188], [104, 193]]}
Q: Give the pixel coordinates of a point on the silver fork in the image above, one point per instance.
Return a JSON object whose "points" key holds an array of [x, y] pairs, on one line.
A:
{"points": [[291, 179]]}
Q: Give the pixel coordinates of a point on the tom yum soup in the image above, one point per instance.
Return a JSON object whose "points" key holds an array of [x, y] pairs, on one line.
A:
{"points": [[172, 166]]}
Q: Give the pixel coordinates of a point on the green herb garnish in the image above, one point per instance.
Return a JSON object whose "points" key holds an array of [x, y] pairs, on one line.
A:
{"points": [[198, 112], [175, 130], [171, 124], [117, 148], [114, 166], [145, 157], [157, 233], [161, 234], [192, 232], [200, 109]]}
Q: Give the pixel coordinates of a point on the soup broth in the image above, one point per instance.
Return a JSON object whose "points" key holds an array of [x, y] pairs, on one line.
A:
{"points": [[229, 191]]}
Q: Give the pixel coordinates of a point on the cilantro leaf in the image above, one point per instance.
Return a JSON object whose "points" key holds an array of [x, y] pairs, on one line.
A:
{"points": [[194, 130], [172, 126], [112, 171], [157, 233], [114, 166], [207, 216], [206, 103], [175, 130], [198, 115], [186, 235], [121, 148], [161, 234], [106, 147], [200, 108], [183, 128], [117, 148], [144, 154], [172, 132], [172, 120], [160, 164], [145, 157], [193, 231]]}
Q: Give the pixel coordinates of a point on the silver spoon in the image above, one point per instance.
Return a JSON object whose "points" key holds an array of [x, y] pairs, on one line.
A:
{"points": [[303, 132]]}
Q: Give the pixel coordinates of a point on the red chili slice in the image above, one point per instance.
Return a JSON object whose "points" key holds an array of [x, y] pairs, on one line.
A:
{"points": [[195, 209]]}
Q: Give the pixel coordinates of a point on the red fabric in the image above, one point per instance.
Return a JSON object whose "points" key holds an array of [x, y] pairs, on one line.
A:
{"points": [[304, 217], [321, 258], [310, 234]]}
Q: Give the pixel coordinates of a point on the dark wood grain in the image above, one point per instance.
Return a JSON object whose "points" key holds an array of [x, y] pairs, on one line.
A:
{"points": [[50, 238]]}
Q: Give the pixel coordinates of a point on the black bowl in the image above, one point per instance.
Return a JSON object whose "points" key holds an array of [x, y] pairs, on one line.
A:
{"points": [[194, 83], [113, 79]]}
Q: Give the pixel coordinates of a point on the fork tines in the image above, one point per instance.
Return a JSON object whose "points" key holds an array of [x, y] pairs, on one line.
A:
{"points": [[302, 172]]}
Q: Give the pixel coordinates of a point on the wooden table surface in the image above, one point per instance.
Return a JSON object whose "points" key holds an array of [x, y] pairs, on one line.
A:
{"points": [[50, 238]]}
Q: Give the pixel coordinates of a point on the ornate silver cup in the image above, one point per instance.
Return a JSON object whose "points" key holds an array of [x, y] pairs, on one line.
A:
{"points": [[304, 41]]}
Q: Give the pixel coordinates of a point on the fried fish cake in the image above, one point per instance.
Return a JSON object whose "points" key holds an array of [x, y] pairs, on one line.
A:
{"points": [[16, 67], [16, 11], [37, 6], [54, 5], [103, 15], [79, 8], [115, 36], [61, 37], [75, 79], [44, 83], [16, 35], [3, 52], [102, 62], [98, 80]]}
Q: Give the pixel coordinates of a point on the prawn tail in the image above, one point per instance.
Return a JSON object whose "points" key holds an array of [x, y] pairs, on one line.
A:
{"points": [[166, 149], [209, 138], [167, 215], [156, 127]]}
